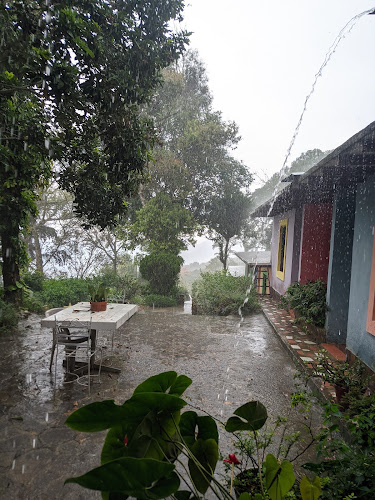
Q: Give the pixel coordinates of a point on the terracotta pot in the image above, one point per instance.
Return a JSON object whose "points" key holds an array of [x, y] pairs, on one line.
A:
{"points": [[340, 393], [292, 313], [98, 306]]}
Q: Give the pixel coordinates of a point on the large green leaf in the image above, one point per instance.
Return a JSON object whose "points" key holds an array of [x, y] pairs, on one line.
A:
{"points": [[180, 385], [184, 495], [193, 427], [113, 496], [114, 446], [138, 477], [96, 417], [207, 453], [157, 383], [167, 382], [253, 416], [244, 496], [103, 415], [310, 490], [279, 478], [143, 402]]}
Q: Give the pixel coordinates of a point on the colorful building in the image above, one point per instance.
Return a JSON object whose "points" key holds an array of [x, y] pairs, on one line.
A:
{"points": [[323, 228]]}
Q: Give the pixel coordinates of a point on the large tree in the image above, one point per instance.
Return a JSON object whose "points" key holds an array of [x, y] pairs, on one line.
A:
{"points": [[163, 225], [73, 76], [193, 164], [226, 211]]}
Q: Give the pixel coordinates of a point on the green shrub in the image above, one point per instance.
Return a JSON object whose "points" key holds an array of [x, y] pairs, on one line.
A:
{"points": [[32, 302], [61, 292], [161, 269], [308, 300], [34, 280], [159, 300], [9, 317], [220, 293]]}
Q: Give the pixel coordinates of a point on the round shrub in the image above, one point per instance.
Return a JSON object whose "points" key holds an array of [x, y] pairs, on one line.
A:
{"points": [[161, 269], [221, 294]]}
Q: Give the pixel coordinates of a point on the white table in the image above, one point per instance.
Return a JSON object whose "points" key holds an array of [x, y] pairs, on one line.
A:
{"points": [[110, 320]]}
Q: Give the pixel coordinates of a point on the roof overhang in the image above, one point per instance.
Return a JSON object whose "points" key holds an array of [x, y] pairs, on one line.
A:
{"points": [[259, 258], [346, 166]]}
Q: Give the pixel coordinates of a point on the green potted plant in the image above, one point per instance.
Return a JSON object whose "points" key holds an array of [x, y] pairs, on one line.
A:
{"points": [[341, 375], [98, 296]]}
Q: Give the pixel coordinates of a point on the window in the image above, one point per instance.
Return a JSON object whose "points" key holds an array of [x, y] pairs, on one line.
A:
{"points": [[281, 254], [370, 325]]}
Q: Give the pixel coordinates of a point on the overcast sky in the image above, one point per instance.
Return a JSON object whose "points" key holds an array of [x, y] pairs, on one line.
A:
{"points": [[261, 58]]}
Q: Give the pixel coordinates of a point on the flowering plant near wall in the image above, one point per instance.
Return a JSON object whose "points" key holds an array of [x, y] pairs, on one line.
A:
{"points": [[148, 436]]}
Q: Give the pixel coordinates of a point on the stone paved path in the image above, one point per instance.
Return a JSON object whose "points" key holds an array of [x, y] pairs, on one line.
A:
{"points": [[229, 363], [299, 344]]}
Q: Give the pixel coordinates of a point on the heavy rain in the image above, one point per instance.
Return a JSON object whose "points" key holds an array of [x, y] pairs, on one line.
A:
{"points": [[187, 212]]}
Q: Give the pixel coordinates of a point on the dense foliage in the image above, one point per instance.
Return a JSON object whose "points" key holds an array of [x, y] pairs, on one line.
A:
{"points": [[62, 292], [308, 300], [220, 293], [163, 225], [161, 270], [154, 300], [148, 433], [8, 318], [73, 77], [194, 167]]}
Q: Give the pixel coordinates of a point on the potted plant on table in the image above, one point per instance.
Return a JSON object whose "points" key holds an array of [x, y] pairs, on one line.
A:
{"points": [[98, 296]]}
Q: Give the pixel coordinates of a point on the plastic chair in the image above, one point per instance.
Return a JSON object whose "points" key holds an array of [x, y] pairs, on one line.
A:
{"points": [[75, 338]]}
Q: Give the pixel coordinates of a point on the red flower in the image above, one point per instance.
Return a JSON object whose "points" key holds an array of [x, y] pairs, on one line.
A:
{"points": [[126, 441], [232, 459]]}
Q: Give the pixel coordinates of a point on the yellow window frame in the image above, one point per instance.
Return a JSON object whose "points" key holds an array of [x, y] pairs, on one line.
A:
{"points": [[281, 253]]}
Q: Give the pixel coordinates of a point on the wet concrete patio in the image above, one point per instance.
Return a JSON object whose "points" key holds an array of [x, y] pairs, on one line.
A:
{"points": [[230, 363]]}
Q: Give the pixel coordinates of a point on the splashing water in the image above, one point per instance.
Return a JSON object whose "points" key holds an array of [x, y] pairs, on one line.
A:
{"points": [[342, 34]]}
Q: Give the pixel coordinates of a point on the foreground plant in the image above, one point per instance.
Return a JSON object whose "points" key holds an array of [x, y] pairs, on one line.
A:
{"points": [[148, 436]]}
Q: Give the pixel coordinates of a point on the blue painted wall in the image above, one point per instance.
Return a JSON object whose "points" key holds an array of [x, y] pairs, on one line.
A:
{"points": [[340, 264], [359, 341]]}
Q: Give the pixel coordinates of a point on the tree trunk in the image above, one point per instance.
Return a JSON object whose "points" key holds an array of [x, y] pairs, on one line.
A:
{"points": [[225, 254], [38, 250], [11, 272]]}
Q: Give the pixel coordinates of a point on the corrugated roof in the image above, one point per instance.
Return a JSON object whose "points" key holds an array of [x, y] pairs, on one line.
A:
{"points": [[346, 166], [261, 258]]}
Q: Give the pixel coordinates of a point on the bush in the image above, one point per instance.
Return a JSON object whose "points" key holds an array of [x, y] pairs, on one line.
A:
{"points": [[32, 302], [159, 301], [308, 300], [9, 317], [220, 293], [61, 292], [34, 280], [161, 269]]}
